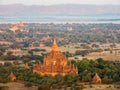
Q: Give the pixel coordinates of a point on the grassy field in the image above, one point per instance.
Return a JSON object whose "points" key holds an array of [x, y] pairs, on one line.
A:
{"points": [[19, 86], [100, 87], [106, 55]]}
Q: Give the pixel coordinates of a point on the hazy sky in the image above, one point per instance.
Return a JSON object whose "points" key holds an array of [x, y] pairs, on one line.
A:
{"points": [[51, 2]]}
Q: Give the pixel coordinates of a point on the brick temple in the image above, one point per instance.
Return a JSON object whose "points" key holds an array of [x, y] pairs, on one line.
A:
{"points": [[55, 63]]}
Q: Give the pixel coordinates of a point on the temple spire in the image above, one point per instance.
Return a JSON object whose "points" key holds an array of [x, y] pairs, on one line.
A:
{"points": [[54, 46], [54, 42]]}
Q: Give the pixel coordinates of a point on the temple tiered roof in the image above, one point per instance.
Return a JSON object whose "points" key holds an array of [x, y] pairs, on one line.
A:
{"points": [[55, 63]]}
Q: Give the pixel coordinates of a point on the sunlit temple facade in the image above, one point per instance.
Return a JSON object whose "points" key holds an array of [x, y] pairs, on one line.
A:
{"points": [[55, 63]]}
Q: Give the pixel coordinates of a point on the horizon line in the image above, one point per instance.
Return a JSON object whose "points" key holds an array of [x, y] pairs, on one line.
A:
{"points": [[61, 4]]}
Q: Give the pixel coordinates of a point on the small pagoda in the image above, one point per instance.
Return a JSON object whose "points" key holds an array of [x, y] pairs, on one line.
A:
{"points": [[12, 77], [21, 24], [14, 28], [55, 63], [96, 79], [27, 66]]}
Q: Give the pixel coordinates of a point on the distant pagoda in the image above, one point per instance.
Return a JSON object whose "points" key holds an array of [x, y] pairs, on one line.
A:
{"points": [[17, 27], [21, 24], [55, 63], [96, 79], [14, 28], [27, 66]]}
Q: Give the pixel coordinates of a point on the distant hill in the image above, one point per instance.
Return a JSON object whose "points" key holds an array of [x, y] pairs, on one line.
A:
{"points": [[59, 9]]}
